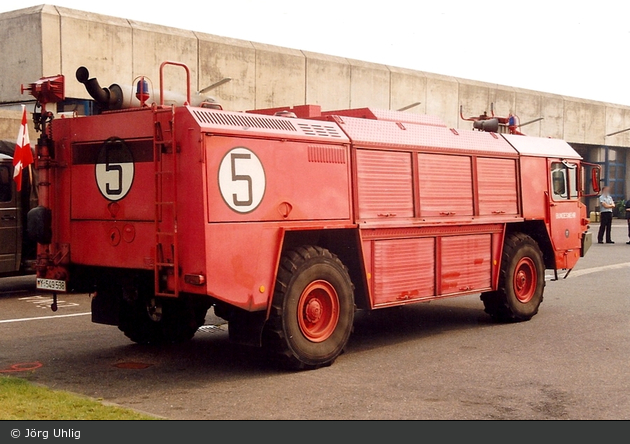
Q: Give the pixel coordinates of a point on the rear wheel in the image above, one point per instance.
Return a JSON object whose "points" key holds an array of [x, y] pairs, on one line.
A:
{"points": [[312, 311], [521, 281], [155, 321]]}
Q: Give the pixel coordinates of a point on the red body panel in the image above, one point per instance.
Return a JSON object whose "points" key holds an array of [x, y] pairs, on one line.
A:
{"points": [[446, 187], [384, 184]]}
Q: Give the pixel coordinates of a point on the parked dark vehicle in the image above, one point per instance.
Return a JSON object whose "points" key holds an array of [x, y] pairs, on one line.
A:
{"points": [[17, 251]]}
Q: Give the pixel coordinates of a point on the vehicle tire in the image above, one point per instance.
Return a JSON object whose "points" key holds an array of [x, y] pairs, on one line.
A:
{"points": [[181, 320], [312, 311], [521, 281], [161, 321], [140, 321]]}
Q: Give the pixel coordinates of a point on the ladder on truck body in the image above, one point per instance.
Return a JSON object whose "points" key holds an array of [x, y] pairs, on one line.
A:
{"points": [[166, 258]]}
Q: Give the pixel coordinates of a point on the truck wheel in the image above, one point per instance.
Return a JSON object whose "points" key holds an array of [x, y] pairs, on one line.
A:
{"points": [[521, 281], [181, 320], [158, 321], [312, 310], [141, 320]]}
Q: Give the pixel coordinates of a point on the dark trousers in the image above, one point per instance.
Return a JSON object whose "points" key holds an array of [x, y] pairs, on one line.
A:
{"points": [[629, 228], [605, 220]]}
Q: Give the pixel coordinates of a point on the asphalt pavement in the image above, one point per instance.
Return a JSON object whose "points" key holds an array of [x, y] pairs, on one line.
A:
{"points": [[440, 360]]}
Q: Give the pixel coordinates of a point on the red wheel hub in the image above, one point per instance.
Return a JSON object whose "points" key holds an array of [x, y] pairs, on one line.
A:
{"points": [[318, 311], [525, 280]]}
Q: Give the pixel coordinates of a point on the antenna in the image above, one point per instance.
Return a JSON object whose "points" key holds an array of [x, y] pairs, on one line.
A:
{"points": [[215, 85], [405, 108]]}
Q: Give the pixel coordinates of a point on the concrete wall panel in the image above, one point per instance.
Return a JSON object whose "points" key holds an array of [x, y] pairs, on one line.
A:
{"points": [[574, 122], [474, 100], [407, 88], [20, 51], [595, 123], [528, 107], [280, 76], [504, 100], [327, 81], [153, 45], [370, 85], [100, 43], [10, 122], [552, 109], [221, 57], [51, 41], [442, 99]]}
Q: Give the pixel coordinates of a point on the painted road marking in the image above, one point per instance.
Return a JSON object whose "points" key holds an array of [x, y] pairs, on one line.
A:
{"points": [[578, 273], [46, 301], [5, 321]]}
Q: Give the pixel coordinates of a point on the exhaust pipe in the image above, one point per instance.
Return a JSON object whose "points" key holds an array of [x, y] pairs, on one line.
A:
{"points": [[108, 98]]}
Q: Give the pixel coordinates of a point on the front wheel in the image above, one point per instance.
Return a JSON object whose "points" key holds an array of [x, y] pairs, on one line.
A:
{"points": [[521, 281], [312, 310]]}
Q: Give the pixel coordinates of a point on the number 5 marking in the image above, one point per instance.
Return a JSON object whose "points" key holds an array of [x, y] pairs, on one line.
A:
{"points": [[241, 180], [245, 177], [117, 168]]}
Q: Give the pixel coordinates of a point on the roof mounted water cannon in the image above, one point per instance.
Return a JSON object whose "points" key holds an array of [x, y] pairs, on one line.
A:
{"points": [[47, 89], [495, 124]]}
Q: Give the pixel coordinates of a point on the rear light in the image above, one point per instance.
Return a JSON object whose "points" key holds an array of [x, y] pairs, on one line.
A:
{"points": [[195, 279]]}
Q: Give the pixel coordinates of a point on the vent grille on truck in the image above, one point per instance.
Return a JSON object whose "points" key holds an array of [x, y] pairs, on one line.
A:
{"points": [[316, 129], [244, 120]]}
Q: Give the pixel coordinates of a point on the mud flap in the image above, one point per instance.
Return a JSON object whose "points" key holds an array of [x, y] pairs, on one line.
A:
{"points": [[105, 310], [587, 241]]}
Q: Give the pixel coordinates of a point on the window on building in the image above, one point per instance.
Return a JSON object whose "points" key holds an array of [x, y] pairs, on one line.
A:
{"points": [[616, 173]]}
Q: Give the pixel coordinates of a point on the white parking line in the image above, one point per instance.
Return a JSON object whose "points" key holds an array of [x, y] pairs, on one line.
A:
{"points": [[43, 317], [578, 273]]}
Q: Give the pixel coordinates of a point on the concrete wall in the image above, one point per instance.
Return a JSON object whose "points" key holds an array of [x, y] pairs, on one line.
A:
{"points": [[10, 122], [116, 50]]}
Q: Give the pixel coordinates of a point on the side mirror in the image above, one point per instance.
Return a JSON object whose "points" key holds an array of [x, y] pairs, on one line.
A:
{"points": [[595, 178]]}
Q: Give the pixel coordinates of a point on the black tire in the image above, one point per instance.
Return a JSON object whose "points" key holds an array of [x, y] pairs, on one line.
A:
{"points": [[521, 281], [312, 311], [181, 320], [176, 321], [136, 323]]}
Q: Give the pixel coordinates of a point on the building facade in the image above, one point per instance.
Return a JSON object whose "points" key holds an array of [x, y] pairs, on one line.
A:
{"points": [[117, 50]]}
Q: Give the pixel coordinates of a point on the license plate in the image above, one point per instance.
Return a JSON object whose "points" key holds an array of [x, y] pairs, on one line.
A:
{"points": [[51, 284]]}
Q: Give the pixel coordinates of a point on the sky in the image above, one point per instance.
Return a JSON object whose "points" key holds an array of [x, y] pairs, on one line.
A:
{"points": [[575, 48]]}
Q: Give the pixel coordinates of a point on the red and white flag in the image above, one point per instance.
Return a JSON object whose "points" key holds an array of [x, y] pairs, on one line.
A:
{"points": [[23, 155]]}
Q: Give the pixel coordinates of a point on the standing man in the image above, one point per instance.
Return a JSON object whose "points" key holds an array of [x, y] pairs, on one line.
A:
{"points": [[605, 216], [628, 218]]}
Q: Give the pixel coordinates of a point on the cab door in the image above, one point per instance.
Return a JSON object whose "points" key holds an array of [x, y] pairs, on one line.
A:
{"points": [[564, 208], [8, 218]]}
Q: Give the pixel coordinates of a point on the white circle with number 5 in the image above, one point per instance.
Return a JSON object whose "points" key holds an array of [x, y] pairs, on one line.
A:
{"points": [[241, 180], [114, 169]]}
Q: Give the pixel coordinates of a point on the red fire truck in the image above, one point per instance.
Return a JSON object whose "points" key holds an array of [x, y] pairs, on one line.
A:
{"points": [[288, 220]]}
